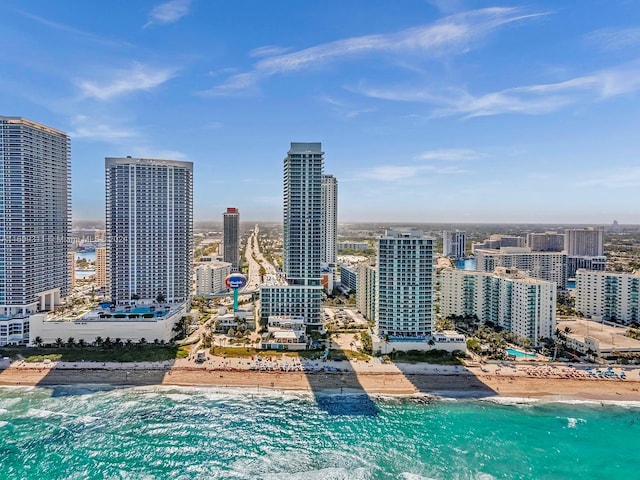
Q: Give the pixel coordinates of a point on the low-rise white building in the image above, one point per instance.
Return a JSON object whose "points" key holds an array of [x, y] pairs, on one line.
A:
{"points": [[284, 333], [608, 295], [449, 341], [244, 319], [520, 304], [126, 324], [210, 277], [595, 338]]}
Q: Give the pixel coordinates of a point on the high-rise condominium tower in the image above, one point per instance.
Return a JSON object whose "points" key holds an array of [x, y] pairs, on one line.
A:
{"points": [[303, 213], [585, 242], [330, 218], [303, 243], [35, 208], [149, 229], [231, 238], [453, 244], [405, 282]]}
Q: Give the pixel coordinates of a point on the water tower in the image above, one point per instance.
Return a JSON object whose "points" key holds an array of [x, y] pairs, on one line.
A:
{"points": [[235, 281]]}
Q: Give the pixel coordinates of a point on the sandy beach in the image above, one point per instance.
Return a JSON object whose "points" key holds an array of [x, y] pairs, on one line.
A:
{"points": [[492, 380]]}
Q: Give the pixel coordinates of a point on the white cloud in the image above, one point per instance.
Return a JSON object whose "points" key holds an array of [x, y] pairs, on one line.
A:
{"points": [[454, 34], [610, 39], [213, 125], [138, 77], [531, 99], [450, 155], [621, 178], [87, 128], [268, 51], [405, 172], [168, 12]]}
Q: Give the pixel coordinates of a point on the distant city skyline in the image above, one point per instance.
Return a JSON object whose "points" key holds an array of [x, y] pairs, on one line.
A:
{"points": [[428, 111]]}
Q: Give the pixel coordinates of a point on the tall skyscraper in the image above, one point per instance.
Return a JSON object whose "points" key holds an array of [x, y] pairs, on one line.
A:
{"points": [[231, 238], [453, 244], [585, 249], [35, 208], [405, 282], [330, 218], [303, 214], [149, 229], [101, 267]]}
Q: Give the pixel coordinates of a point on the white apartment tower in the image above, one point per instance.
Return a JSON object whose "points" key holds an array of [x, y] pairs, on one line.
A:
{"points": [[303, 240], [149, 229], [453, 244], [608, 295], [35, 209], [550, 266], [405, 282], [231, 238], [519, 304], [330, 218], [584, 242], [366, 290]]}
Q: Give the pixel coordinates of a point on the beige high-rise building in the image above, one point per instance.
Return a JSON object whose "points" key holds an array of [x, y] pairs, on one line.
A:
{"points": [[101, 267]]}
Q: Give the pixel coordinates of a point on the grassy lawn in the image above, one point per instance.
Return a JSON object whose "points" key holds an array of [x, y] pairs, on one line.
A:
{"points": [[137, 353], [438, 357], [246, 352]]}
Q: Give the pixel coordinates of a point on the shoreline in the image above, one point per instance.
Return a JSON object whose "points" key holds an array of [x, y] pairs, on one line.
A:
{"points": [[381, 380]]}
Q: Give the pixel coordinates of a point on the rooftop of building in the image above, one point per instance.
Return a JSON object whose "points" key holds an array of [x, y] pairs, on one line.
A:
{"points": [[104, 312], [31, 123], [610, 338]]}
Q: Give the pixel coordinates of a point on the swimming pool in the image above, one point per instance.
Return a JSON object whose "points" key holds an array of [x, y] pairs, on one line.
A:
{"points": [[519, 354]]}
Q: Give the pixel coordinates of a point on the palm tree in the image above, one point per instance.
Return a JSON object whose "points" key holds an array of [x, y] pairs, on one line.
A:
{"points": [[82, 343], [38, 341], [143, 341], [98, 341], [59, 342]]}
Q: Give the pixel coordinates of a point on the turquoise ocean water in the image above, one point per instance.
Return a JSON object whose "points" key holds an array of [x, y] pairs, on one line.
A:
{"points": [[180, 433]]}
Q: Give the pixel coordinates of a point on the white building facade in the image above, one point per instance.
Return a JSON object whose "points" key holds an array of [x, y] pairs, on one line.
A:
{"points": [[549, 266], [149, 225], [330, 218], [210, 277], [608, 295], [520, 304], [35, 207], [303, 239], [453, 244], [366, 291], [405, 283]]}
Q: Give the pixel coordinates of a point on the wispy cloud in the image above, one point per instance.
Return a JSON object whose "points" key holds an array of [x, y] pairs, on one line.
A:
{"points": [[450, 155], [92, 129], [531, 99], [92, 37], [610, 39], [268, 51], [344, 109], [168, 12], [622, 178], [153, 152], [404, 172], [138, 77], [454, 34], [213, 125]]}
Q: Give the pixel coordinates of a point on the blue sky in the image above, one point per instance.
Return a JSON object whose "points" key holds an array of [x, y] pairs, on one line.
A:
{"points": [[428, 111]]}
